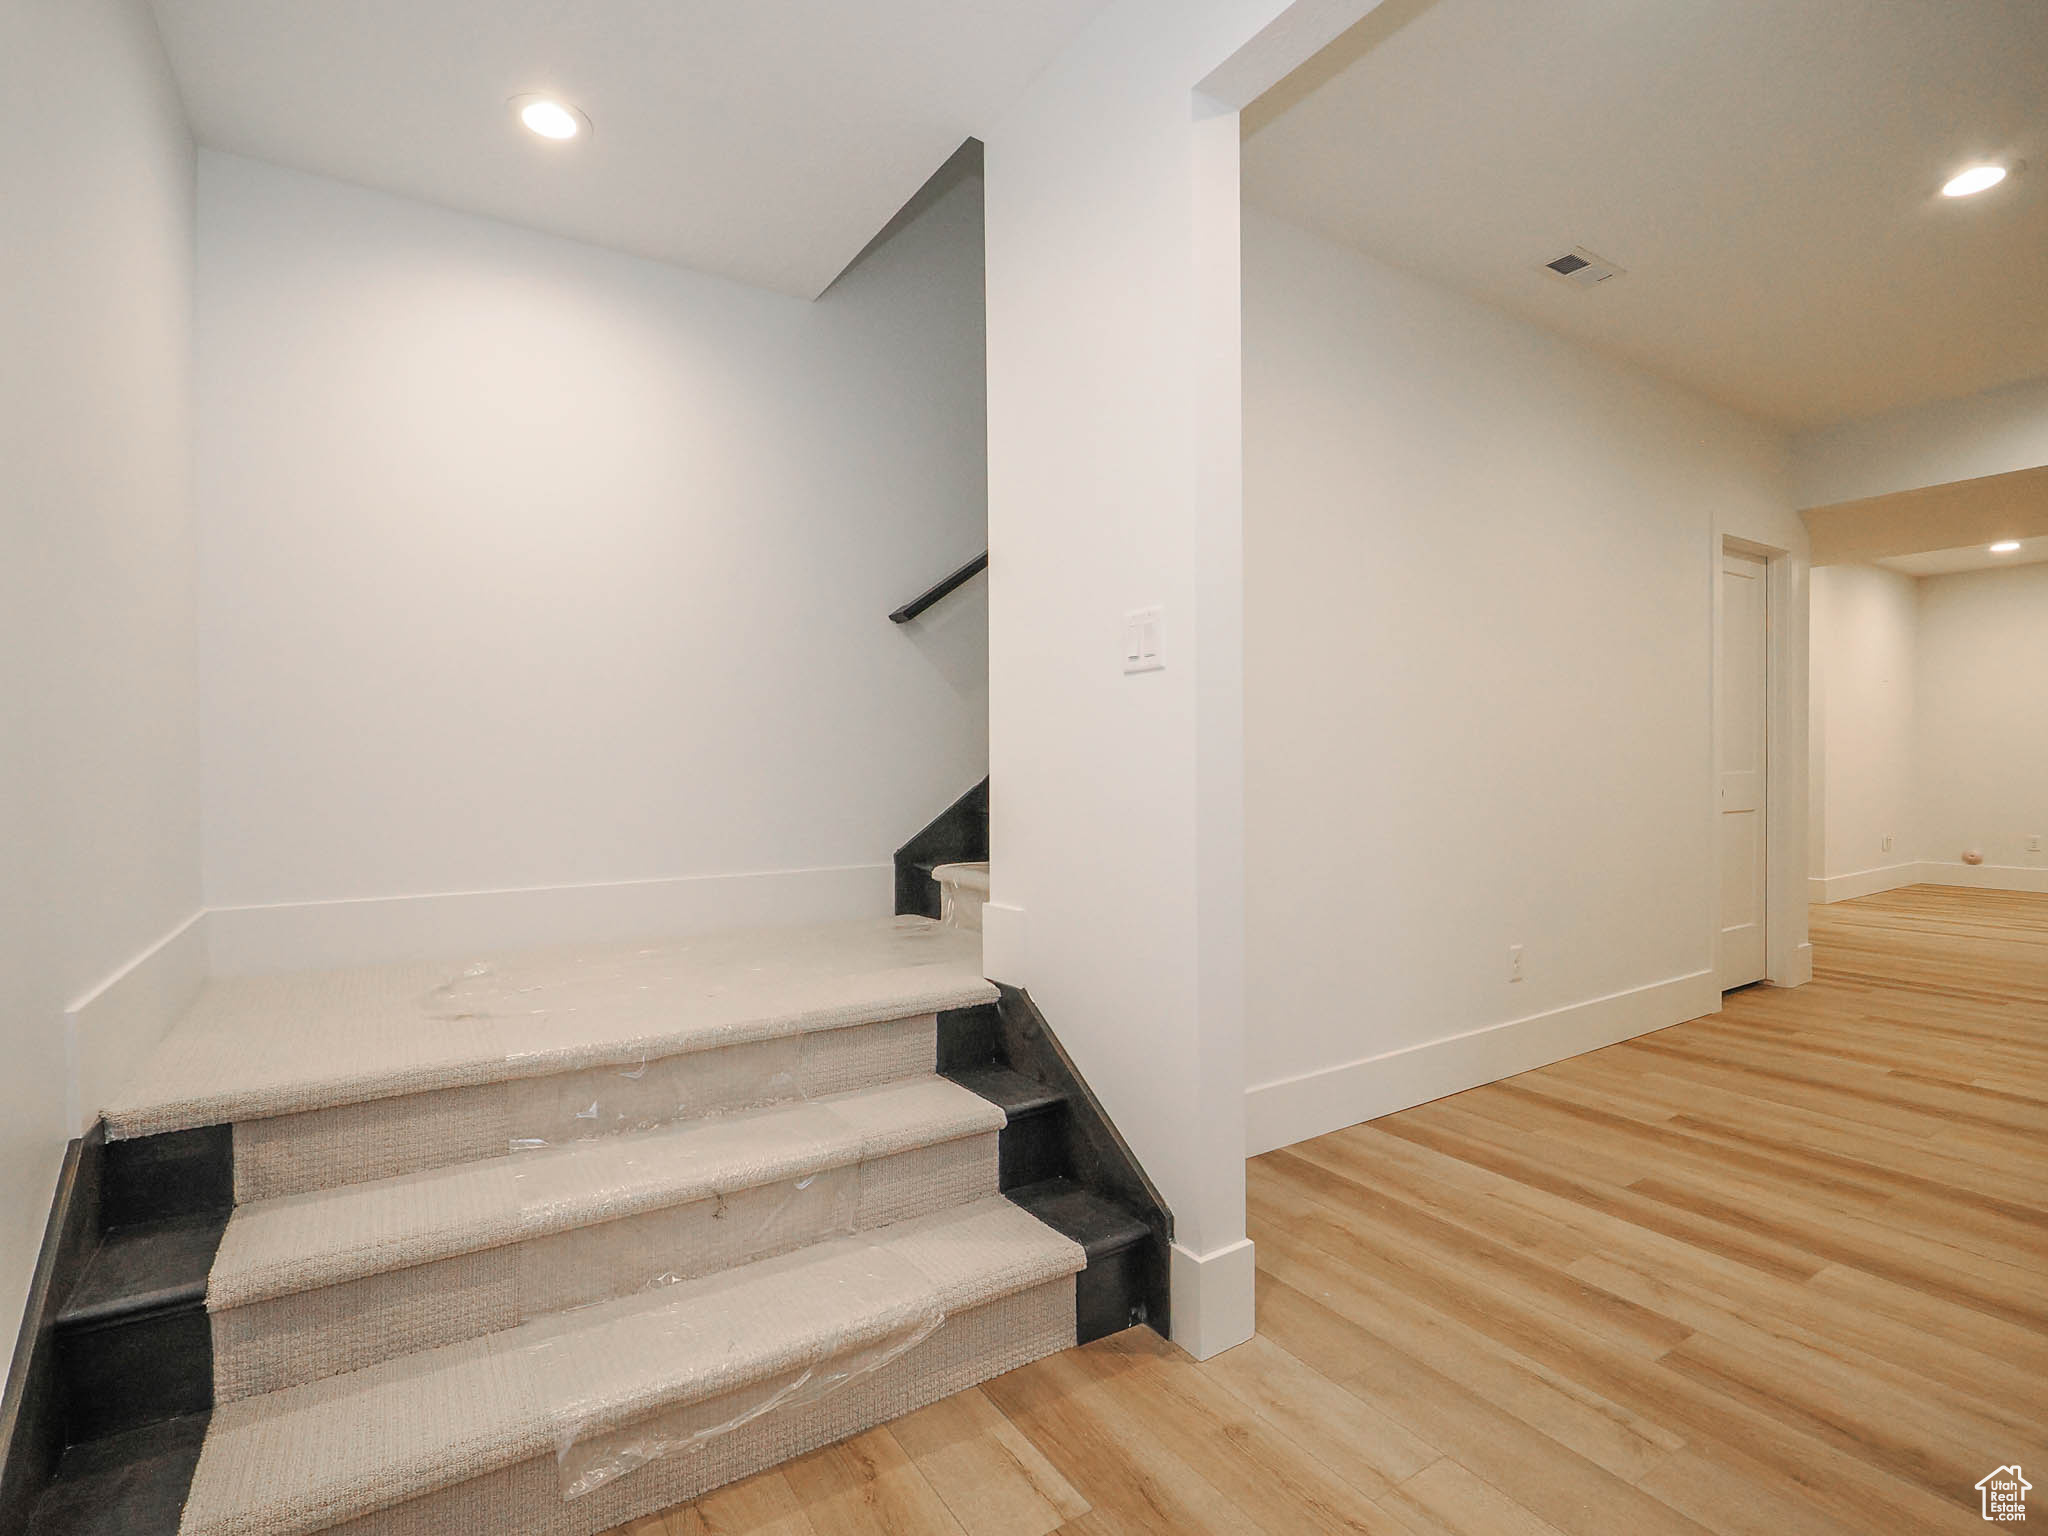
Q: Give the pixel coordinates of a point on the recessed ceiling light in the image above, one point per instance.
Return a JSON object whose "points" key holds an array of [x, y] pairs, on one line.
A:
{"points": [[2006, 547], [1976, 178], [550, 118]]}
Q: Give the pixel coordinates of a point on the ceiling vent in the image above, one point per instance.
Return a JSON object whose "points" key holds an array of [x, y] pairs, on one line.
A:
{"points": [[1581, 266]]}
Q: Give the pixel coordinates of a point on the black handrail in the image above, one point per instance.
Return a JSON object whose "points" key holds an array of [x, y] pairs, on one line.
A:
{"points": [[925, 599]]}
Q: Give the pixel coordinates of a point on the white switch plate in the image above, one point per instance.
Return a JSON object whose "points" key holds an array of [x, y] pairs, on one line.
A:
{"points": [[1887, 847], [1144, 649], [1514, 962]]}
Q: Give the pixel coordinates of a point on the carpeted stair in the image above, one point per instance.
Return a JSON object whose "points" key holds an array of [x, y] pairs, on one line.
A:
{"points": [[535, 1246]]}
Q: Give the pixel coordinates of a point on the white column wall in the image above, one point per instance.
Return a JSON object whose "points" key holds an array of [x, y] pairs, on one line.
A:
{"points": [[1114, 411]]}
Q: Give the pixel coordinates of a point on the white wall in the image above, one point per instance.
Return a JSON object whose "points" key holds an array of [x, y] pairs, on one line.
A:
{"points": [[1981, 729], [1988, 434], [538, 570], [99, 800], [1480, 567], [1114, 407], [1865, 620], [1926, 694]]}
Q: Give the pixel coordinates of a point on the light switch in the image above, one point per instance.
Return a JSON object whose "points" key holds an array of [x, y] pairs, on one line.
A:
{"points": [[1143, 640]]}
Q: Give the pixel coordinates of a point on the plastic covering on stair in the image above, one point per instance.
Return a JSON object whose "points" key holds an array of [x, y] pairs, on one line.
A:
{"points": [[626, 996], [591, 1264], [693, 1384], [317, 1285], [398, 1031], [631, 992], [593, 1445], [725, 1072], [358, 1143], [557, 1109]]}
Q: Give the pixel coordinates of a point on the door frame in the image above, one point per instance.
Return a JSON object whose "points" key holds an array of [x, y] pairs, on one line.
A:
{"points": [[1788, 957]]}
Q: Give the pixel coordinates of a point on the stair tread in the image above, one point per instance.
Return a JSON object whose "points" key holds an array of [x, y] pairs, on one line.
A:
{"points": [[1007, 1088], [142, 1268], [971, 875], [298, 1242], [308, 1457], [256, 1046], [1099, 1225]]}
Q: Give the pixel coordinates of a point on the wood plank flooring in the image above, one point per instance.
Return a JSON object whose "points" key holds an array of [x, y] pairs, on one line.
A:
{"points": [[1778, 1272]]}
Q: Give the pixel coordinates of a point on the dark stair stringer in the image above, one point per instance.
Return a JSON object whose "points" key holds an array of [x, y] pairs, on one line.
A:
{"points": [[130, 1484], [1110, 1294], [1063, 1161], [125, 1379], [958, 835]]}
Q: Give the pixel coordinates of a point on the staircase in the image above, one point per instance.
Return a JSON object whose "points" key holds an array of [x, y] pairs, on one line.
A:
{"points": [[537, 1246]]}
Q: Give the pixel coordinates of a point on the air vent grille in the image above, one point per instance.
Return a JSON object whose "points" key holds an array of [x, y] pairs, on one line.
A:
{"points": [[1579, 265]]}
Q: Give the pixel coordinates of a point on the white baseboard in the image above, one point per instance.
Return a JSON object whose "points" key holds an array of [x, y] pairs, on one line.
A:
{"points": [[1213, 1297], [1984, 877], [1892, 877], [110, 1028], [1293, 1109], [1863, 882], [312, 935], [1800, 971]]}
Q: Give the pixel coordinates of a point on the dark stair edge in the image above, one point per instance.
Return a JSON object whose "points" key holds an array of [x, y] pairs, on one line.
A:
{"points": [[957, 835], [1013, 1091], [133, 1484], [174, 1173], [1109, 1294], [1100, 1226], [134, 1341], [113, 1374], [150, 1267], [1007, 1052], [32, 1410]]}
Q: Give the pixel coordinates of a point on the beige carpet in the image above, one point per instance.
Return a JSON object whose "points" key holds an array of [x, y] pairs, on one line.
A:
{"points": [[534, 1244], [314, 1285], [381, 1138], [253, 1047], [714, 1363], [302, 1241]]}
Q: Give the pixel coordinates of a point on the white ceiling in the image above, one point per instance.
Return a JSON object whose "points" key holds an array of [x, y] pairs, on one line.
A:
{"points": [[764, 141], [1971, 557], [1766, 173]]}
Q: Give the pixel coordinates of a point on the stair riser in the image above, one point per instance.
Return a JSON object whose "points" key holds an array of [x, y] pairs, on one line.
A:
{"points": [[526, 1500], [176, 1173], [1110, 1294], [135, 1371], [1034, 1147], [354, 1143], [293, 1339]]}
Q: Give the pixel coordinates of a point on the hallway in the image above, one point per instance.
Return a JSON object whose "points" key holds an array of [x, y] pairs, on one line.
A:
{"points": [[1780, 1270]]}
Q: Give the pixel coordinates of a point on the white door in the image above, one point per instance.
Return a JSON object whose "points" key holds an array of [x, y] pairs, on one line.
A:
{"points": [[1743, 673]]}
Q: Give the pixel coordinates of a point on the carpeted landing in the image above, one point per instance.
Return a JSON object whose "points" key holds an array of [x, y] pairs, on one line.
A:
{"points": [[541, 1243]]}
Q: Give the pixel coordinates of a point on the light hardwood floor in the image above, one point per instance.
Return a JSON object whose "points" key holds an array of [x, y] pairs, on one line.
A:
{"points": [[1783, 1270]]}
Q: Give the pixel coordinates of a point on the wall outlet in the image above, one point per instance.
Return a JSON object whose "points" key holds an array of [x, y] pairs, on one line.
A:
{"points": [[2034, 843], [1514, 962], [1886, 845]]}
